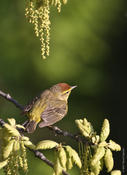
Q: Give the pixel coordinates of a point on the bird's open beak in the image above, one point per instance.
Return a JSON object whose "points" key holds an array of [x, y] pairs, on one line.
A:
{"points": [[72, 87]]}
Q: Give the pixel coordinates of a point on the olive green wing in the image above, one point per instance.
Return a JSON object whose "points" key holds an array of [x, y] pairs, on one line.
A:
{"points": [[53, 114], [28, 107]]}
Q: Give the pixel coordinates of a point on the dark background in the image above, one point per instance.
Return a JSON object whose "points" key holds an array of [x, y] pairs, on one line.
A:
{"points": [[88, 49]]}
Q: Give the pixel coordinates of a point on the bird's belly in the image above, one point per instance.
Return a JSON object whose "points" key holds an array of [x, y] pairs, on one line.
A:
{"points": [[35, 113]]}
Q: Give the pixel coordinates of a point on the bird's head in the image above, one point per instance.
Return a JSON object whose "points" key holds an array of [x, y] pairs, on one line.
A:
{"points": [[62, 90]]}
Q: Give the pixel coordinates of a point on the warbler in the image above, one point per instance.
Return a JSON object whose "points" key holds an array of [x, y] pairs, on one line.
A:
{"points": [[50, 107]]}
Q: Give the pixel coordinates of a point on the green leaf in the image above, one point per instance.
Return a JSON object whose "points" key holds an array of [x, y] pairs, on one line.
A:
{"points": [[105, 130], [103, 144], [85, 127], [74, 155], [91, 173], [99, 153], [12, 121], [16, 146], [108, 159], [5, 135], [29, 144], [95, 139], [69, 163], [24, 138], [46, 144], [8, 149], [79, 124], [13, 131], [96, 168], [57, 167], [20, 126], [114, 146], [2, 164], [116, 172], [64, 1], [62, 157]]}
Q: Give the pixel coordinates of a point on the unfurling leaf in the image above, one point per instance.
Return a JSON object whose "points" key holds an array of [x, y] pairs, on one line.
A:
{"points": [[24, 138], [16, 146], [104, 144], [12, 121], [13, 149], [69, 163], [29, 144], [5, 135], [46, 144], [95, 139], [2, 164], [85, 127], [91, 173], [108, 159], [80, 125], [57, 167], [62, 157], [74, 155], [96, 168], [116, 172], [64, 1], [105, 130], [8, 149], [114, 146], [100, 151], [20, 126], [12, 130]]}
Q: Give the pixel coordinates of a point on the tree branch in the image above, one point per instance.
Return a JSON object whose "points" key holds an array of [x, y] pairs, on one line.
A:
{"points": [[37, 153], [9, 98], [57, 130], [2, 122], [41, 156], [75, 137]]}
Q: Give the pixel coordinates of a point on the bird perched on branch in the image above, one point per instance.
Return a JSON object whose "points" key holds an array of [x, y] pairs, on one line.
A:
{"points": [[50, 107]]}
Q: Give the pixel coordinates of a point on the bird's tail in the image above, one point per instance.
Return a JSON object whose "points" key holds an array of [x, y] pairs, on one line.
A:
{"points": [[30, 126]]}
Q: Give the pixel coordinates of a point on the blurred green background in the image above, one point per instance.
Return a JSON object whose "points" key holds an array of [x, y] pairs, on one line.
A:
{"points": [[88, 49]]}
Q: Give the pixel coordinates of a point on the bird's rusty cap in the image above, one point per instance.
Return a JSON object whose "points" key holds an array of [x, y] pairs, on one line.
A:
{"points": [[66, 87]]}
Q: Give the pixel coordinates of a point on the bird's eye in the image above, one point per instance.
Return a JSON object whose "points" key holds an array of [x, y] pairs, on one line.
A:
{"points": [[65, 93]]}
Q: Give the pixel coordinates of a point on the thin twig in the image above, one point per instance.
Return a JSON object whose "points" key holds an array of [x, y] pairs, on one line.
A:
{"points": [[37, 153], [9, 98], [2, 122], [75, 137], [48, 162]]}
